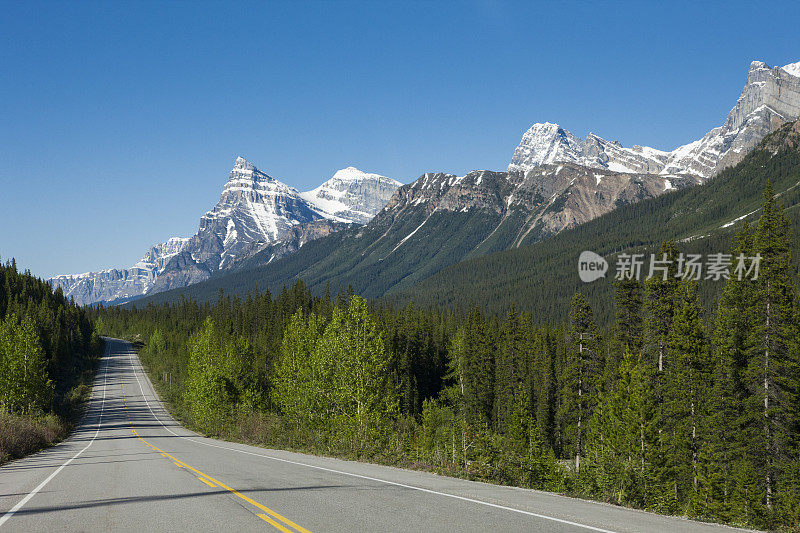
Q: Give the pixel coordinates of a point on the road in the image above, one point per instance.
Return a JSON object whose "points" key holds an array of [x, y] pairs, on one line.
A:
{"points": [[130, 466]]}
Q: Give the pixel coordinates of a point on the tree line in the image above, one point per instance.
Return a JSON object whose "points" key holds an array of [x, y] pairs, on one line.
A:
{"points": [[48, 347], [676, 407]]}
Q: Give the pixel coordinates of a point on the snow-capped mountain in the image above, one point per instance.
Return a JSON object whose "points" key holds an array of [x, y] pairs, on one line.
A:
{"points": [[119, 284], [254, 208], [352, 195], [255, 212], [770, 98]]}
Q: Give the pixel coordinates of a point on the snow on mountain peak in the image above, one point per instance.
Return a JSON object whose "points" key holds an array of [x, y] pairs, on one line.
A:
{"points": [[243, 163], [769, 99], [792, 68], [352, 195], [545, 143]]}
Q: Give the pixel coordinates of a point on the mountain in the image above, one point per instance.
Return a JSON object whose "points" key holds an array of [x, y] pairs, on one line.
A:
{"points": [[255, 214], [771, 97], [439, 220], [554, 183], [352, 195], [120, 284], [541, 278]]}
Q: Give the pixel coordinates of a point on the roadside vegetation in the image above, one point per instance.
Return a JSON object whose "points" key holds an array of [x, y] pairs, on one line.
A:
{"points": [[675, 407], [48, 348]]}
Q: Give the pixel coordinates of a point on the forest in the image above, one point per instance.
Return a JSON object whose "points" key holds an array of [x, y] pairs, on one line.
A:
{"points": [[677, 406], [48, 349]]}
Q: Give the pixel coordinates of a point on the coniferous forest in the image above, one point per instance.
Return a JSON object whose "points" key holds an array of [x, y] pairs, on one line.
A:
{"points": [[48, 347], [676, 407]]}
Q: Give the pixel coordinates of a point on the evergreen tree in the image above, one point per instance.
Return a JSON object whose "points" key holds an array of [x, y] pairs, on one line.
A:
{"points": [[627, 323], [511, 367], [771, 376], [686, 381], [720, 492], [622, 436], [659, 304], [581, 377]]}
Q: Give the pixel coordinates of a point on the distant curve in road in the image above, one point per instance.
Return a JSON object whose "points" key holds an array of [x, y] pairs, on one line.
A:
{"points": [[129, 466]]}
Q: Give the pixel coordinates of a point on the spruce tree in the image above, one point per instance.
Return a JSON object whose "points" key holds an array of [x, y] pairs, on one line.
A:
{"points": [[771, 376], [720, 491], [511, 366], [581, 377], [685, 384]]}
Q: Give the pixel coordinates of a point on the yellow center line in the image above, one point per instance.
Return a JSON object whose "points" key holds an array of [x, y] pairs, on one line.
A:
{"points": [[205, 478], [274, 523]]}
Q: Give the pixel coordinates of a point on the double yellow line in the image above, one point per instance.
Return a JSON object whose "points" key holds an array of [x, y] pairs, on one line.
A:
{"points": [[269, 516]]}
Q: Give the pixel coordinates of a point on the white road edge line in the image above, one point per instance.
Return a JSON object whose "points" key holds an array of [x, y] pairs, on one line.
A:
{"points": [[394, 483], [32, 493]]}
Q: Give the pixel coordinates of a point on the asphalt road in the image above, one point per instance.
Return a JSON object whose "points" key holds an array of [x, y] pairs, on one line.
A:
{"points": [[130, 466]]}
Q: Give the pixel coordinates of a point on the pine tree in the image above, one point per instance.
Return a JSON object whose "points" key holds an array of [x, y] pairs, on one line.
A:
{"points": [[581, 377], [720, 492], [622, 436], [659, 304], [771, 376], [686, 380], [511, 367], [627, 323]]}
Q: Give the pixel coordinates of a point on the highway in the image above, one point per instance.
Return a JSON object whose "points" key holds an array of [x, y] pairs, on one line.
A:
{"points": [[129, 466]]}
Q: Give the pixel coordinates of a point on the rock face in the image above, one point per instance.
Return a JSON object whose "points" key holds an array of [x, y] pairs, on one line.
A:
{"points": [[120, 284], [530, 205], [770, 98], [255, 215], [257, 212], [292, 241], [254, 209]]}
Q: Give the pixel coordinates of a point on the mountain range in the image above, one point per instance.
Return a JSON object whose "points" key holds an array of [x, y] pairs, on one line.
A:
{"points": [[255, 212], [555, 181], [771, 96]]}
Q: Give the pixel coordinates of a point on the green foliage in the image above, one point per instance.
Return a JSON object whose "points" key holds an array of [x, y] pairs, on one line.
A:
{"points": [[677, 408], [581, 378], [48, 347], [24, 383], [622, 437], [540, 279]]}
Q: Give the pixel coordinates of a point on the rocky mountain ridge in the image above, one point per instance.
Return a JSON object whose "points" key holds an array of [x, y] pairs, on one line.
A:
{"points": [[771, 97], [120, 284], [255, 212], [554, 182]]}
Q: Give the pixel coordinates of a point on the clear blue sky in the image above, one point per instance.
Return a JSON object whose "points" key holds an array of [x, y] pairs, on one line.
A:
{"points": [[120, 121]]}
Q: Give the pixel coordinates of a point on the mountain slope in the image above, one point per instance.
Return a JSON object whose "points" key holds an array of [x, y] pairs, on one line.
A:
{"points": [[441, 219], [541, 278], [429, 264], [771, 97], [257, 213], [555, 182]]}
